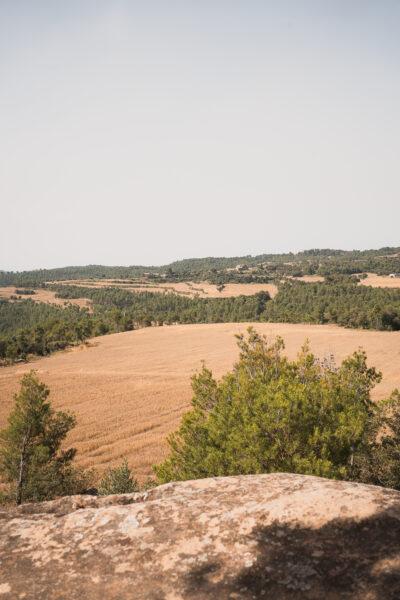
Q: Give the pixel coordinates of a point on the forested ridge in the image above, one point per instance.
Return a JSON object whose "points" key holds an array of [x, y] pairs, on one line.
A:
{"points": [[263, 267]]}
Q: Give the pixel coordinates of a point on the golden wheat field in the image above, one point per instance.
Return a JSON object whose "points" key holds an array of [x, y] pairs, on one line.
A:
{"points": [[183, 288], [46, 296], [130, 389], [381, 281]]}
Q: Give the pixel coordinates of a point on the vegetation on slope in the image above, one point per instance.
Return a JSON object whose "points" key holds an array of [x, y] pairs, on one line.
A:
{"points": [[27, 327], [339, 300], [343, 303], [37, 328], [261, 268]]}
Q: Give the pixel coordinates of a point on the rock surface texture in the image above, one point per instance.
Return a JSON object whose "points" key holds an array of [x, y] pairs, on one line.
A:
{"points": [[260, 536]]}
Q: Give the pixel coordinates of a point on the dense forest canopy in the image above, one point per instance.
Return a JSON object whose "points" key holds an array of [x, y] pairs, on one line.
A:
{"points": [[343, 303]]}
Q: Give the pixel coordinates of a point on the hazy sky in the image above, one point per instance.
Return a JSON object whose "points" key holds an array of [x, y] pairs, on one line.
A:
{"points": [[138, 132]]}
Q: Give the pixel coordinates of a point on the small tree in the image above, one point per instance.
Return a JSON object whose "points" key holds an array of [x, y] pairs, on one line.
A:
{"points": [[118, 481], [31, 460]]}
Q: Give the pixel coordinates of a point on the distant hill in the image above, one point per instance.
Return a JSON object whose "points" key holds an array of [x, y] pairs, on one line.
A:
{"points": [[216, 269]]}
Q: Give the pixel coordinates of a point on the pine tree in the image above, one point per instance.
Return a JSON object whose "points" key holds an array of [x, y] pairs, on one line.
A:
{"points": [[31, 460], [271, 414]]}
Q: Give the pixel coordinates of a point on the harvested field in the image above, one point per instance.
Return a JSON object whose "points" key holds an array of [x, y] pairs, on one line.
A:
{"points": [[46, 296], [381, 281], [201, 289], [309, 278], [130, 389]]}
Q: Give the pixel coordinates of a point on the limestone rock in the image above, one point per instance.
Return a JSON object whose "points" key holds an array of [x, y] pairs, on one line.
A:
{"points": [[274, 536]]}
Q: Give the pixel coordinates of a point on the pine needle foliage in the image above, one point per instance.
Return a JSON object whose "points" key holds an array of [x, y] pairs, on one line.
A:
{"points": [[32, 461], [272, 414], [118, 480]]}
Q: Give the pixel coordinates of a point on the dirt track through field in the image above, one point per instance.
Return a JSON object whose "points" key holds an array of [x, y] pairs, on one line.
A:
{"points": [[129, 390]]}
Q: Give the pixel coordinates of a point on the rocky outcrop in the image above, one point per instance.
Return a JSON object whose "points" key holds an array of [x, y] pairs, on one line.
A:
{"points": [[260, 536]]}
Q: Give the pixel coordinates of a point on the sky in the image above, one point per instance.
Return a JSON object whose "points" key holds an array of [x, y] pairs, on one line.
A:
{"points": [[139, 132]]}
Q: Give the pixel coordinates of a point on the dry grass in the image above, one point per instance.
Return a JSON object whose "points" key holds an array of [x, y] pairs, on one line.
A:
{"points": [[381, 281], [189, 288], [129, 390], [46, 296]]}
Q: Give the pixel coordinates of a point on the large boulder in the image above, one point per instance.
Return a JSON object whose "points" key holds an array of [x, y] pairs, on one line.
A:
{"points": [[259, 536]]}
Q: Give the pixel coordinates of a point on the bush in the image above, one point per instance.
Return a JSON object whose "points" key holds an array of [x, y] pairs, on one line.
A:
{"points": [[271, 414], [25, 292], [118, 481], [378, 462]]}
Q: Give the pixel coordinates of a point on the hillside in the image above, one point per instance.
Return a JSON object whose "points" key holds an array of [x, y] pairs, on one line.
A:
{"points": [[275, 536], [245, 269], [129, 390], [201, 289]]}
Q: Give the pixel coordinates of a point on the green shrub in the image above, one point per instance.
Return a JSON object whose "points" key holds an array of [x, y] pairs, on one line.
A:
{"points": [[271, 414], [118, 481]]}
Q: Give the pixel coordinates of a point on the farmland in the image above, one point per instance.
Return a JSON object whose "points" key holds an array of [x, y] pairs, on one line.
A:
{"points": [[42, 295], [380, 281], [202, 289], [130, 389]]}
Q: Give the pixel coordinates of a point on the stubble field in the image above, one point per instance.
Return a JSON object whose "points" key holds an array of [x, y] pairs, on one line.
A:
{"points": [[129, 390], [42, 295], [191, 289], [381, 281]]}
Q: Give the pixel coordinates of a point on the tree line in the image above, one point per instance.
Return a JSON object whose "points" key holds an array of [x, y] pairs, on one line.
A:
{"points": [[27, 327], [344, 303], [262, 267]]}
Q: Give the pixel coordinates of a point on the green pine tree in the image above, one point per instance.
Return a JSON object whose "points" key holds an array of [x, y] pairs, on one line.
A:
{"points": [[271, 414], [31, 459]]}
